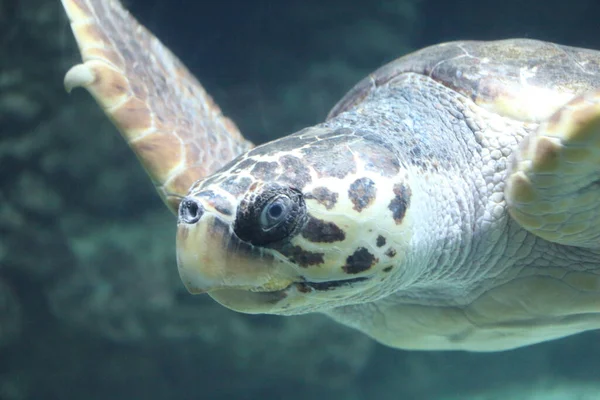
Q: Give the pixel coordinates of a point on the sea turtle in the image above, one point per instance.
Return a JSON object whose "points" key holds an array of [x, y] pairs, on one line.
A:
{"points": [[449, 201]]}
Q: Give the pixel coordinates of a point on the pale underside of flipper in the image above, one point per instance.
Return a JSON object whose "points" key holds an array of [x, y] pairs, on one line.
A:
{"points": [[173, 126], [553, 189]]}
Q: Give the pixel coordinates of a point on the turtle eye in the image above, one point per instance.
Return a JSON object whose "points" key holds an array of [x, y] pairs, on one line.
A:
{"points": [[269, 216], [275, 212]]}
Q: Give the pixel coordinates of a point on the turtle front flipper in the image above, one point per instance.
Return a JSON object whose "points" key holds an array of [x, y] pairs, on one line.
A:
{"points": [[553, 188], [177, 132]]}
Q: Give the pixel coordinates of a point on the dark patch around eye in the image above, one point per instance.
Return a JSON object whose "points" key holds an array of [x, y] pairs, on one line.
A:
{"points": [[361, 260], [362, 193], [380, 241], [400, 202], [323, 196], [390, 252], [233, 244], [249, 225], [319, 231]]}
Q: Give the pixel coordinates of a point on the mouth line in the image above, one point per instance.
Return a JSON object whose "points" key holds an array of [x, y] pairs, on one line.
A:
{"points": [[304, 286], [260, 302], [326, 285]]}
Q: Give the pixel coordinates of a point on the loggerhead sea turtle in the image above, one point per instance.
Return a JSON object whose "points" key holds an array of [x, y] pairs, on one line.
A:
{"points": [[449, 201]]}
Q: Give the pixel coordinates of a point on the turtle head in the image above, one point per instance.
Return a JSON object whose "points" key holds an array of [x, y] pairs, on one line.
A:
{"points": [[294, 226]]}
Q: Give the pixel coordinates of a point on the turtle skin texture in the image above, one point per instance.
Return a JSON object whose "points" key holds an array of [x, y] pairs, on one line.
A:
{"points": [[448, 201]]}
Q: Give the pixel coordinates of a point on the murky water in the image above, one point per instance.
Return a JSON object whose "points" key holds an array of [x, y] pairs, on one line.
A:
{"points": [[91, 305]]}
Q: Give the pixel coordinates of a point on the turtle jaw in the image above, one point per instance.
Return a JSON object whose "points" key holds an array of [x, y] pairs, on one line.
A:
{"points": [[210, 257], [249, 302]]}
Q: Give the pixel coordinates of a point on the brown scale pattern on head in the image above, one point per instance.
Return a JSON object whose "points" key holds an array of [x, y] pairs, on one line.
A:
{"points": [[400, 202], [359, 261], [323, 196], [240, 165], [288, 170], [295, 160], [236, 185], [265, 170], [301, 257], [339, 166], [320, 231], [362, 193], [376, 156], [330, 155], [294, 171]]}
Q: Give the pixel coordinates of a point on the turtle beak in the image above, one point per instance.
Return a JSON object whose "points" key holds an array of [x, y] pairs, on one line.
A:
{"points": [[210, 257]]}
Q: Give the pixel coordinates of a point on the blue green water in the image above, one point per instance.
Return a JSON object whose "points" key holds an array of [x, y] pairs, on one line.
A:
{"points": [[90, 301]]}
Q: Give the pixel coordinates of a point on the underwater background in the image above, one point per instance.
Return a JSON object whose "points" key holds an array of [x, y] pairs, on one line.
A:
{"points": [[91, 305]]}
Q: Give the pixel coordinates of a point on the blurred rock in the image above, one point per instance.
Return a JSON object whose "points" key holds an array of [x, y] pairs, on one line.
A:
{"points": [[10, 315]]}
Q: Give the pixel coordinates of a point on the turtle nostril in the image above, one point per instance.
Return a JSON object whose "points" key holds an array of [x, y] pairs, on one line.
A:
{"points": [[190, 211]]}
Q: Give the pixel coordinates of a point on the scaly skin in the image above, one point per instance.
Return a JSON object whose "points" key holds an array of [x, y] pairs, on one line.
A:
{"points": [[483, 283]]}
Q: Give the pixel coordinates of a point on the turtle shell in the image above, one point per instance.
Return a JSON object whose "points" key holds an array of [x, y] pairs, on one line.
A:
{"points": [[523, 79]]}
